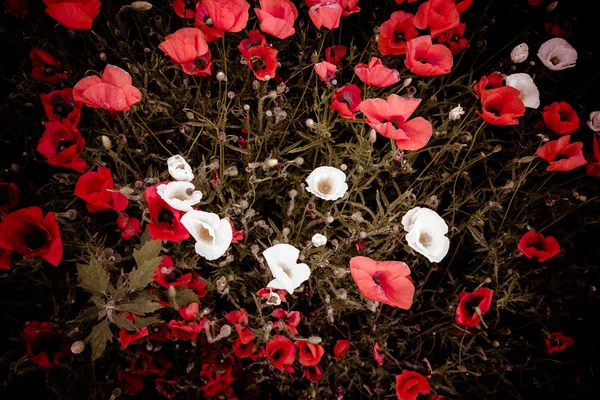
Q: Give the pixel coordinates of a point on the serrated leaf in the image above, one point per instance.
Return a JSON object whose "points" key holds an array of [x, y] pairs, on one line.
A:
{"points": [[93, 277], [140, 306], [99, 336], [145, 321], [184, 297], [123, 322], [149, 249], [142, 275]]}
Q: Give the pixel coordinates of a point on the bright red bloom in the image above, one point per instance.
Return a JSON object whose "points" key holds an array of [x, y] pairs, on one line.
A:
{"points": [[454, 39], [346, 100], [228, 15], [189, 312], [462, 5], [239, 319], [238, 236], [166, 275], [377, 354], [131, 382], [277, 17], [390, 118], [198, 285], [262, 60], [45, 67], [290, 320], [73, 14], [46, 344], [98, 191], [534, 244], [165, 220], [62, 144], [243, 350], [557, 342], [349, 7], [561, 118], [185, 8], [309, 354], [28, 232], [9, 196], [267, 293], [204, 22], [185, 330], [487, 82], [334, 54], [218, 381], [592, 168], [188, 47], [427, 59], [281, 351], [501, 106], [326, 71], [410, 384], [325, 13], [60, 105], [376, 74], [113, 91], [129, 226], [439, 15], [469, 303], [341, 348], [314, 373], [561, 155], [18, 8], [127, 337], [255, 38], [5, 258], [395, 32]]}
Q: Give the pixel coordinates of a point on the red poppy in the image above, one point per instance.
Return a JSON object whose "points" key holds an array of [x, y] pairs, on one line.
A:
{"points": [[243, 350], [487, 82], [198, 285], [454, 39], [326, 71], [281, 351], [439, 15], [185, 330], [471, 306], [130, 227], [314, 373], [238, 236], [73, 14], [218, 382], [267, 293], [309, 354], [325, 13], [561, 155], [376, 74], [204, 22], [262, 60], [45, 67], [62, 144], [390, 118], [377, 354], [561, 29], [334, 54], [535, 2], [166, 275], [341, 348], [127, 337], [427, 59], [150, 364], [228, 15], [131, 382], [17, 8], [189, 312], [60, 105], [28, 232], [166, 387], [255, 38], [289, 320], [46, 344], [346, 100], [165, 220], [501, 106], [592, 168], [188, 47], [98, 191], [185, 8], [349, 7], [462, 5], [557, 342], [113, 91], [5, 258], [277, 17], [9, 196], [561, 118], [395, 32], [239, 319], [410, 384], [534, 244]]}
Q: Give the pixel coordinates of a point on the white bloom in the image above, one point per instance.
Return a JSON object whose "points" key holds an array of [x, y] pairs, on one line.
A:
{"points": [[557, 54], [179, 169], [327, 183], [519, 53], [529, 91], [594, 122], [213, 235], [179, 195], [455, 113], [426, 233], [319, 240], [283, 262]]}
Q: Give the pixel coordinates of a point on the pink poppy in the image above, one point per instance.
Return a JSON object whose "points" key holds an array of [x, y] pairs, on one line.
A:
{"points": [[73, 14], [326, 71], [325, 13], [277, 17], [346, 100], [204, 22], [228, 15], [561, 155], [427, 59], [113, 91], [376, 74], [188, 47], [185, 8], [395, 32], [439, 15]]}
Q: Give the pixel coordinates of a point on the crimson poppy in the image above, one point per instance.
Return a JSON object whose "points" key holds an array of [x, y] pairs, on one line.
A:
{"points": [[487, 82], [131, 382], [165, 221], [326, 71], [188, 47], [166, 275], [439, 15], [228, 15], [17, 8], [561, 29], [255, 38], [346, 100], [309, 354], [376, 74], [98, 191], [349, 7], [562, 155], [204, 22], [534, 244], [166, 387], [462, 5], [73, 14], [454, 39], [472, 306], [314, 373], [243, 350], [557, 342], [238, 236], [129, 226], [197, 285], [410, 384], [501, 106], [46, 344], [341, 348], [113, 91], [218, 381], [5, 258], [60, 105], [28, 232], [395, 32], [185, 8], [62, 144], [146, 363], [561, 118], [45, 67], [325, 13], [289, 320], [592, 168], [277, 17], [185, 330], [239, 319], [390, 118], [377, 354], [127, 337], [189, 312], [268, 293], [335, 54], [281, 351], [262, 60], [9, 196], [427, 59]]}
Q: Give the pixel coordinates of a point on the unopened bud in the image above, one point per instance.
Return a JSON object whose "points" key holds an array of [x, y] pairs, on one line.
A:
{"points": [[314, 340], [78, 347], [141, 6], [270, 162], [106, 142]]}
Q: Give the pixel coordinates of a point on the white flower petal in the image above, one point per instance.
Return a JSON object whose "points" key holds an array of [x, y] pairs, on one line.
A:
{"points": [[327, 183], [282, 261], [524, 84], [426, 233], [213, 235], [557, 54], [179, 169], [179, 195]]}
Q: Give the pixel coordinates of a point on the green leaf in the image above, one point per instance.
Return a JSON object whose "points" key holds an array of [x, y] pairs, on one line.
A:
{"points": [[93, 277], [99, 336], [184, 297], [140, 306], [143, 274], [123, 322], [150, 249], [143, 322]]}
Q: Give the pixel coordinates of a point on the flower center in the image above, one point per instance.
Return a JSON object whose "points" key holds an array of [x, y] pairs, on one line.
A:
{"points": [[425, 239], [324, 186], [198, 63], [399, 36], [49, 71], [165, 216], [205, 234], [555, 60], [63, 144], [60, 106], [258, 63], [36, 238]]}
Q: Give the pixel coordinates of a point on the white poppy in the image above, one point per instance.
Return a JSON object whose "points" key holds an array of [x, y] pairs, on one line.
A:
{"points": [[557, 54], [179, 195], [319, 240], [179, 169], [426, 233], [213, 235], [519, 53], [283, 262], [327, 183], [455, 113], [524, 84], [594, 121]]}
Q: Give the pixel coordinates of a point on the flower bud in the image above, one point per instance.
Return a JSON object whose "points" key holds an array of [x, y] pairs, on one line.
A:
{"points": [[78, 347], [519, 53], [141, 6]]}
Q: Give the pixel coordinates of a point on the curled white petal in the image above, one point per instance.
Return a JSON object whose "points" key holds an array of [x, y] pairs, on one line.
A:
{"points": [[179, 169], [524, 84], [179, 195], [426, 233], [213, 235], [455, 113], [557, 54], [327, 183], [283, 263]]}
